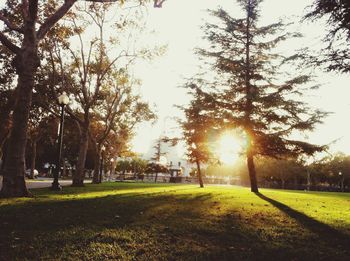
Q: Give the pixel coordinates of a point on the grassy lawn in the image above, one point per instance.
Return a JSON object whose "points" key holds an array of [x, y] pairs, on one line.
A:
{"points": [[128, 221]]}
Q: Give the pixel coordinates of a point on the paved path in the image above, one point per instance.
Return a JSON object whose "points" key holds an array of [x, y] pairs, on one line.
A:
{"points": [[44, 182]]}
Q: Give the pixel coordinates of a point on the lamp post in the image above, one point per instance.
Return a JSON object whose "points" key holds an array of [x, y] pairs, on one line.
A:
{"points": [[63, 100], [103, 148]]}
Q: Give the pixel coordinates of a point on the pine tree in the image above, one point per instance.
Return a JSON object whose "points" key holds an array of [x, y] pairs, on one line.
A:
{"points": [[199, 122], [336, 55], [249, 92]]}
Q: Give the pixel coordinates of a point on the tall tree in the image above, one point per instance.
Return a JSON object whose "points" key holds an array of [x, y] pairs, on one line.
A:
{"points": [[95, 75], [336, 55], [25, 26], [24, 29], [250, 91], [196, 128], [120, 111], [7, 96]]}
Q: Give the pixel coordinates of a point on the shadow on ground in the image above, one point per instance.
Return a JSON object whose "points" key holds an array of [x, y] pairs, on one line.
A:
{"points": [[325, 232], [175, 225]]}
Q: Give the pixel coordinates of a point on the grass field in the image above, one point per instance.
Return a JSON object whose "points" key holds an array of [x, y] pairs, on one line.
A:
{"points": [[129, 221]]}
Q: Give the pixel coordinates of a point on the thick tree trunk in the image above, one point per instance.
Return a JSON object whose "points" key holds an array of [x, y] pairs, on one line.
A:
{"points": [[96, 177], [26, 64], [33, 159], [252, 174], [249, 105], [199, 174], [79, 175], [5, 123]]}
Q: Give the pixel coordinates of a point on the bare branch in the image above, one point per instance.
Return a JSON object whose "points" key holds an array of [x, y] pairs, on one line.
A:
{"points": [[72, 114], [54, 18], [158, 3], [10, 25], [8, 44]]}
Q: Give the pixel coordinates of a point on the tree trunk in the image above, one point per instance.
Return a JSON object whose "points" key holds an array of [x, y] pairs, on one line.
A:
{"points": [[252, 173], [308, 180], [249, 104], [5, 123], [114, 164], [155, 179], [26, 63], [33, 159], [96, 177], [79, 175], [199, 174]]}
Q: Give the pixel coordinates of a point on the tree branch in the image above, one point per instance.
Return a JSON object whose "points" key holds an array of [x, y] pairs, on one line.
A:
{"points": [[71, 113], [54, 18], [8, 44], [10, 25], [158, 3]]}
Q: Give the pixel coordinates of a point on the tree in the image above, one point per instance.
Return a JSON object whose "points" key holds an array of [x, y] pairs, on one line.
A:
{"points": [[7, 96], [97, 76], [335, 170], [336, 55], [139, 167], [284, 171], [250, 92], [119, 112], [26, 25], [196, 127], [156, 167]]}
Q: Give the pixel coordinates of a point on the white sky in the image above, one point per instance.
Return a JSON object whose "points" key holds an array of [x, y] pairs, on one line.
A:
{"points": [[178, 25]]}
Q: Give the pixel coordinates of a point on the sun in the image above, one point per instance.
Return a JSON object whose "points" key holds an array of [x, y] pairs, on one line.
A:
{"points": [[229, 148]]}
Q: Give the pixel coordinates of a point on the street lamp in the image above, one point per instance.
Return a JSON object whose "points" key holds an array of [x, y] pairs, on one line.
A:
{"points": [[63, 100], [103, 148]]}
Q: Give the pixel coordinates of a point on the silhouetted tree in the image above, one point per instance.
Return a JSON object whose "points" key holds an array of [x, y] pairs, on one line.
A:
{"points": [[199, 122], [336, 55], [250, 90]]}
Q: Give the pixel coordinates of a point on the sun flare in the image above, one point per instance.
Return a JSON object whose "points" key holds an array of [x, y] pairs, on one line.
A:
{"points": [[229, 148]]}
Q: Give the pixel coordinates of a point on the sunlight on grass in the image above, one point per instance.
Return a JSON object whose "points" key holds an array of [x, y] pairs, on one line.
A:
{"points": [[130, 221]]}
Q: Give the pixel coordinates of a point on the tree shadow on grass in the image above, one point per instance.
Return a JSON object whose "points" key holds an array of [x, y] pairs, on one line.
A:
{"points": [[326, 233], [128, 223], [103, 187], [137, 226]]}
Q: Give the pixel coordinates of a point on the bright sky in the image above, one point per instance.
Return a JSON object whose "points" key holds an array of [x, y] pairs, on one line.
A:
{"points": [[178, 25]]}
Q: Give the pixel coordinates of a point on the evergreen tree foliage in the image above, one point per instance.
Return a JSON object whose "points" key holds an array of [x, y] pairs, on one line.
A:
{"points": [[198, 128], [336, 55], [252, 90]]}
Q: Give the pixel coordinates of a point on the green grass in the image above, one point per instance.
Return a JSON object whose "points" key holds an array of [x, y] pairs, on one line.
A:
{"points": [[128, 221]]}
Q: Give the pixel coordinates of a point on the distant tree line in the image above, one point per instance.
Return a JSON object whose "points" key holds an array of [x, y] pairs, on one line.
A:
{"points": [[331, 173]]}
